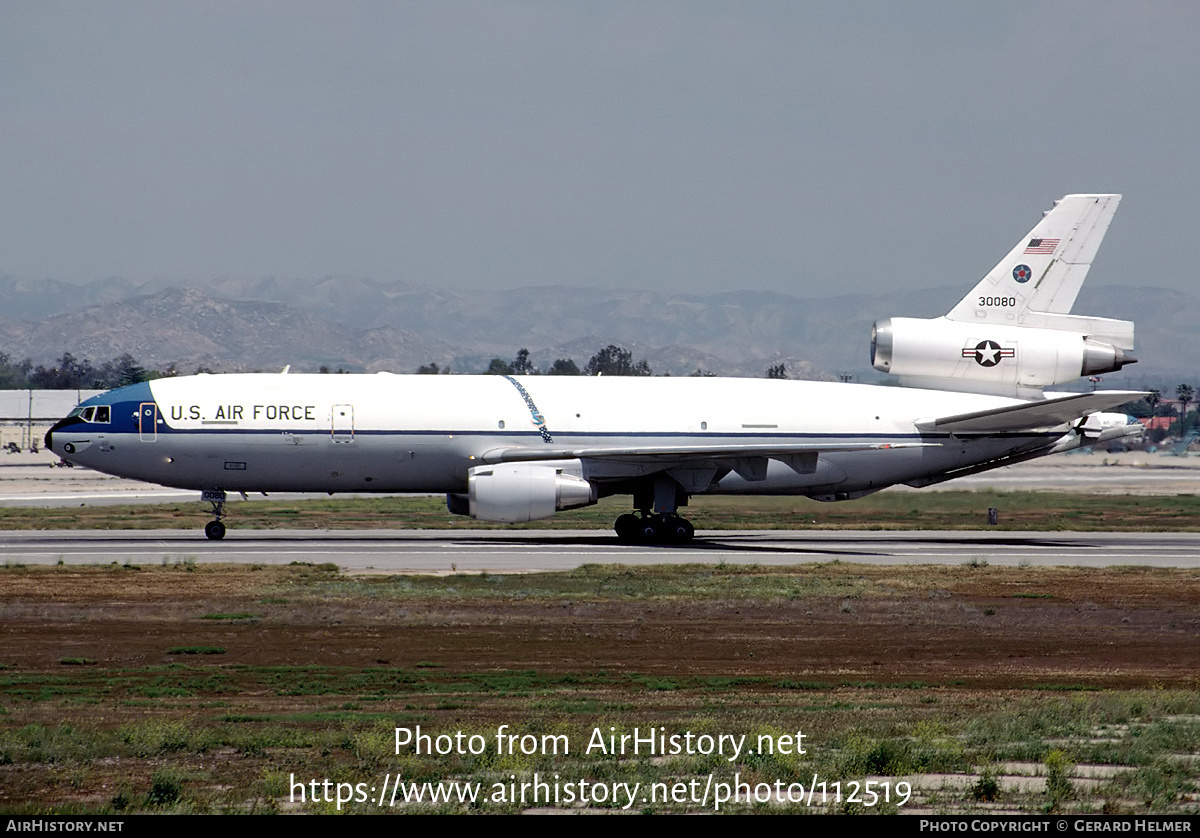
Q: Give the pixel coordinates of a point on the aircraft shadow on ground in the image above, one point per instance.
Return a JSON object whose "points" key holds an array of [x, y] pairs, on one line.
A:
{"points": [[234, 541], [746, 543]]}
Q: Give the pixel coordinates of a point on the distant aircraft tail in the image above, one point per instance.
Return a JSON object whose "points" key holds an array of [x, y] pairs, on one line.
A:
{"points": [[1037, 282]]}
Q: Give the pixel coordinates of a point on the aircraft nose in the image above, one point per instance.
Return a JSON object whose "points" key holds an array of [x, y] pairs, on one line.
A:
{"points": [[50, 435], [59, 425]]}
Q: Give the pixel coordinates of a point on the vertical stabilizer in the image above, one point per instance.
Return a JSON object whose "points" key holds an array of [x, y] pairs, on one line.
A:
{"points": [[1046, 269]]}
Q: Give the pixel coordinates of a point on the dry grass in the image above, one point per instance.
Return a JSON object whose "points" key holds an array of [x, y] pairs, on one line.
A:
{"points": [[1040, 511]]}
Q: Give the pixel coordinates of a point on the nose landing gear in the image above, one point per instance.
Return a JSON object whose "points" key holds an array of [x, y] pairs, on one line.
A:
{"points": [[214, 529]]}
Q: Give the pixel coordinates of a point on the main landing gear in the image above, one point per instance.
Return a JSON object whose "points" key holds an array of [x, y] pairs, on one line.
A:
{"points": [[215, 529], [656, 521], [646, 527]]}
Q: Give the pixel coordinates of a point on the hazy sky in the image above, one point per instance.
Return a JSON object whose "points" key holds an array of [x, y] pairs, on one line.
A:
{"points": [[812, 147]]}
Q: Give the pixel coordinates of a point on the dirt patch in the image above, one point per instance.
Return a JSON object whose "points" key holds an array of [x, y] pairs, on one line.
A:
{"points": [[233, 677], [980, 625]]}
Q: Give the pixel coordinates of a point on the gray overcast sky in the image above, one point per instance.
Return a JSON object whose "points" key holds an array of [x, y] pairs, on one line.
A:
{"points": [[814, 147]]}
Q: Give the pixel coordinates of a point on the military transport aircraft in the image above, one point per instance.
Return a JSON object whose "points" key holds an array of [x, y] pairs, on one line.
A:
{"points": [[520, 448]]}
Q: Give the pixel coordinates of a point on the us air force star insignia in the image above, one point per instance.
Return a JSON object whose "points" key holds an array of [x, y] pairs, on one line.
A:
{"points": [[987, 353], [1021, 273]]}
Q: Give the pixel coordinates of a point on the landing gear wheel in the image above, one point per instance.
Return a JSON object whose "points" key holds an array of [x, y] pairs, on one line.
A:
{"points": [[650, 530], [627, 527], [681, 530], [214, 530]]}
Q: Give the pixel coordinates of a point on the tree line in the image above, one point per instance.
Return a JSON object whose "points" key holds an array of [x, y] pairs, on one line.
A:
{"points": [[71, 373], [611, 360]]}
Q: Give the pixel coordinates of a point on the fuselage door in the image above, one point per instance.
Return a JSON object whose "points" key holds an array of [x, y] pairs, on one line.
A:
{"points": [[343, 423], [148, 421]]}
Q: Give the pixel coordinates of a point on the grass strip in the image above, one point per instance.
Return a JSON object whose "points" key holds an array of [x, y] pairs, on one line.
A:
{"points": [[1042, 511]]}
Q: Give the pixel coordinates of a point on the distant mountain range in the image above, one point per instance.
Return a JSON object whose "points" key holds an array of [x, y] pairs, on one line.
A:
{"points": [[365, 325]]}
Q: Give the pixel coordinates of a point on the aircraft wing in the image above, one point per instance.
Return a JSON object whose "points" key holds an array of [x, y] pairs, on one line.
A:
{"points": [[1031, 416], [676, 453]]}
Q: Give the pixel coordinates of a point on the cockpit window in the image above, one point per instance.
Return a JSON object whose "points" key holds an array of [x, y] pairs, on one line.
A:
{"points": [[96, 413]]}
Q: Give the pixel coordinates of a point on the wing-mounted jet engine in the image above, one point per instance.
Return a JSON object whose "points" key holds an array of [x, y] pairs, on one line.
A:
{"points": [[512, 493], [1014, 334]]}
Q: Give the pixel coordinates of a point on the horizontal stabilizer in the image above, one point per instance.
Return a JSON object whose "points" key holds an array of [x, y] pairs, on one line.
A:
{"points": [[1032, 416], [1119, 333]]}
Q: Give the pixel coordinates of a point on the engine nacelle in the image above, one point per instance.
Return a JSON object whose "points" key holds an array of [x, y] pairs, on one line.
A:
{"points": [[514, 492], [987, 358]]}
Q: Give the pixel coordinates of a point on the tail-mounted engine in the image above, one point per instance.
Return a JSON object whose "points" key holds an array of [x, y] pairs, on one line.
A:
{"points": [[1002, 360]]}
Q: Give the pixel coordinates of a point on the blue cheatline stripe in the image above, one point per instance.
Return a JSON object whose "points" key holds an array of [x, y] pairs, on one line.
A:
{"points": [[708, 436], [538, 419]]}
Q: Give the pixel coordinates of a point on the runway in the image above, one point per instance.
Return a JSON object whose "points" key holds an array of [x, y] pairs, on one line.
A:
{"points": [[526, 551]]}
